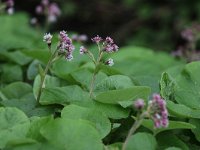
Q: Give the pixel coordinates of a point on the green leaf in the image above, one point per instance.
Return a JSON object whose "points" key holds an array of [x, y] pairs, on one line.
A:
{"points": [[112, 111], [14, 125], [16, 56], [99, 119], [141, 141], [28, 105], [63, 95], [188, 86], [114, 82], [35, 127], [11, 73], [169, 139], [29, 144], [196, 131], [148, 80], [173, 148], [183, 111], [115, 146], [16, 90], [167, 85], [41, 55], [72, 134], [119, 96], [63, 68], [17, 33], [84, 77], [109, 70], [32, 70], [172, 125]]}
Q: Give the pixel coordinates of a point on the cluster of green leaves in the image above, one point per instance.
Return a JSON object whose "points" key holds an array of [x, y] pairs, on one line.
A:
{"points": [[68, 118]]}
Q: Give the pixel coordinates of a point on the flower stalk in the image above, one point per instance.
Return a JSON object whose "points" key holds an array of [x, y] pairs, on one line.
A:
{"points": [[43, 75], [135, 126], [65, 48], [104, 46]]}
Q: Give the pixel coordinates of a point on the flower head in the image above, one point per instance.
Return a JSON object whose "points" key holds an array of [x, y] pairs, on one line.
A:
{"points": [[158, 111], [66, 45], [188, 34], [10, 3], [69, 57], [139, 104], [39, 9], [109, 62], [47, 38], [109, 40], [53, 12], [10, 6], [83, 50], [45, 2], [110, 46], [96, 39], [79, 38]]}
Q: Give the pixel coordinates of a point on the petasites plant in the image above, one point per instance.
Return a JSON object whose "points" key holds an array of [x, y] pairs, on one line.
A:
{"points": [[84, 104]]}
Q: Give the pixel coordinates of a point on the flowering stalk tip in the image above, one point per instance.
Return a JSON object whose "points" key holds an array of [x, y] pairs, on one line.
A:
{"points": [[139, 104], [47, 38], [109, 62]]}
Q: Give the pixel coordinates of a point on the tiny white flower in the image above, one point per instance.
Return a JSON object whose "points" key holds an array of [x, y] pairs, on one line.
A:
{"points": [[83, 50], [69, 57], [110, 62], [47, 38], [10, 10]]}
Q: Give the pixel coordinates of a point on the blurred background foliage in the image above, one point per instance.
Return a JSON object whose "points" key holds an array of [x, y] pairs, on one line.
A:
{"points": [[152, 23]]}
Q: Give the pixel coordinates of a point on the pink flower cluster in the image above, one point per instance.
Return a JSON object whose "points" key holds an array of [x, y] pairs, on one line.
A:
{"points": [[66, 46], [108, 44], [158, 111], [51, 10], [10, 6]]}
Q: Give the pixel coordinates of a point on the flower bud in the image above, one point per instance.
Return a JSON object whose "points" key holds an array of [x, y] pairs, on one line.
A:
{"points": [[139, 104]]}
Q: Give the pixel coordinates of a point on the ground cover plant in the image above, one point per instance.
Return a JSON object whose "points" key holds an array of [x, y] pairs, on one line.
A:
{"points": [[60, 93]]}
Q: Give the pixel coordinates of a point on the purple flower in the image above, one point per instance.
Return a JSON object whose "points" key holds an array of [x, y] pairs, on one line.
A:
{"points": [[139, 104], [47, 38], [69, 57], [10, 10], [45, 2], [39, 9], [109, 40], [79, 38], [97, 39], [188, 34], [10, 6], [110, 46], [115, 47], [9, 3], [66, 45], [53, 12], [83, 38], [109, 62], [83, 50], [158, 111]]}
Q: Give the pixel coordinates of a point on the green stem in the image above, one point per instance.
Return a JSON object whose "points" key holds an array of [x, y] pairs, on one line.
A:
{"points": [[95, 72], [92, 83], [135, 126], [44, 75]]}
